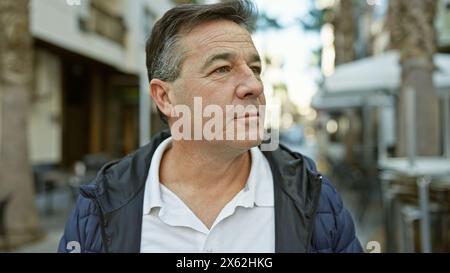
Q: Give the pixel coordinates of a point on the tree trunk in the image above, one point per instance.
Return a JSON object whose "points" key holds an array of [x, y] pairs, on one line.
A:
{"points": [[16, 72], [413, 34], [344, 32]]}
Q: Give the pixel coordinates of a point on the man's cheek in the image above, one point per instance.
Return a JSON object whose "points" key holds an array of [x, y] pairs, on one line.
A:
{"points": [[262, 99]]}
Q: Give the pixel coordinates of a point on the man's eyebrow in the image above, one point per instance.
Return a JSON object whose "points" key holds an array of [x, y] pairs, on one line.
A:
{"points": [[220, 56], [227, 56], [255, 58]]}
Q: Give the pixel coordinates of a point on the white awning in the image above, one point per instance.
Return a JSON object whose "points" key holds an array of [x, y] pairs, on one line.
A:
{"points": [[352, 83]]}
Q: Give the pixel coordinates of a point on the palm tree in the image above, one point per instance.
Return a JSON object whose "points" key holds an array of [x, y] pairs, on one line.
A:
{"points": [[16, 70], [412, 32], [344, 31]]}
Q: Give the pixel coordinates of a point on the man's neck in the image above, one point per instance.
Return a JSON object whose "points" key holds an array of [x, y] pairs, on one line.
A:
{"points": [[203, 178], [204, 166]]}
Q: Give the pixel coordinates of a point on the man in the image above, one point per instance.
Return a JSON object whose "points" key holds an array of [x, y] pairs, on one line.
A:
{"points": [[185, 193]]}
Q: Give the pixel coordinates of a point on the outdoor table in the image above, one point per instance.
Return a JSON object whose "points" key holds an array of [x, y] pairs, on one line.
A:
{"points": [[423, 170]]}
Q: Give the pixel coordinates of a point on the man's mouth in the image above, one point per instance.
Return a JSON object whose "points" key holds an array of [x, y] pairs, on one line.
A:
{"points": [[252, 114]]}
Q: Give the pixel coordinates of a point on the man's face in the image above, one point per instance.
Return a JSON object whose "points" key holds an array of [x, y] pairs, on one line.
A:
{"points": [[222, 67]]}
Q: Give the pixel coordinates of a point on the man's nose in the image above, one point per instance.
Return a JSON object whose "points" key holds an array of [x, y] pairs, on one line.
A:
{"points": [[249, 85]]}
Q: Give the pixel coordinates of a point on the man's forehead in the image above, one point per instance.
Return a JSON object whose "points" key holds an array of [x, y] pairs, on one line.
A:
{"points": [[209, 37]]}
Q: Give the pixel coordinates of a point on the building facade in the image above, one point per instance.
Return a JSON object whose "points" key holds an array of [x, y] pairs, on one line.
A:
{"points": [[90, 91]]}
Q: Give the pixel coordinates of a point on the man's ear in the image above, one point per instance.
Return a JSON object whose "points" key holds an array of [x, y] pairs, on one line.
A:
{"points": [[159, 90]]}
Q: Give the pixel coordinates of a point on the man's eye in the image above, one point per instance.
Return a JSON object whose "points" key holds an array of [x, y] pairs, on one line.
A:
{"points": [[256, 70], [222, 70]]}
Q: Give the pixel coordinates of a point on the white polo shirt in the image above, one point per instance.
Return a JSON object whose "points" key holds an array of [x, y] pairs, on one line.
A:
{"points": [[245, 224]]}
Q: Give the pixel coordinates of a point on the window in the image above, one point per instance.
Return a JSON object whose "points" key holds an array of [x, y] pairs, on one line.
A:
{"points": [[105, 19]]}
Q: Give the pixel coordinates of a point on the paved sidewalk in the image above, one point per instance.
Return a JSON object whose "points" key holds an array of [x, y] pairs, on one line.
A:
{"points": [[52, 223]]}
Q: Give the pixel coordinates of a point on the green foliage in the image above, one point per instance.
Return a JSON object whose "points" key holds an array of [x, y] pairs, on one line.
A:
{"points": [[316, 18], [264, 22]]}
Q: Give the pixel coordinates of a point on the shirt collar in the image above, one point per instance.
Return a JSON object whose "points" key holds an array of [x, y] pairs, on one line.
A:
{"points": [[152, 195], [257, 191], [260, 181]]}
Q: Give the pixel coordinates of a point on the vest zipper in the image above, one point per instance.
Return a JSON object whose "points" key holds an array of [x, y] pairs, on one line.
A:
{"points": [[318, 179], [105, 239]]}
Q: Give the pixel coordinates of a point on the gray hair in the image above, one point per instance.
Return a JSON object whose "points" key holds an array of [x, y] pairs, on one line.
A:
{"points": [[167, 65]]}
